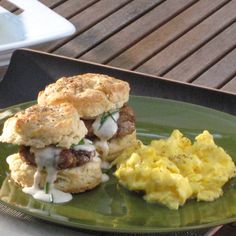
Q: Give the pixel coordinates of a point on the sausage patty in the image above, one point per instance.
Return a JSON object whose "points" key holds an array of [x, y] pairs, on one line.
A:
{"points": [[68, 158], [126, 124]]}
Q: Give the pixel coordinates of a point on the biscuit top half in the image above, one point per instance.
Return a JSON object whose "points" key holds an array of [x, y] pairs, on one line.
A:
{"points": [[91, 94], [39, 126]]}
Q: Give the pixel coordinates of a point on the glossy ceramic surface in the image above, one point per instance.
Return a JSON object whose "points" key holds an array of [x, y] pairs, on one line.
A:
{"points": [[110, 207]]}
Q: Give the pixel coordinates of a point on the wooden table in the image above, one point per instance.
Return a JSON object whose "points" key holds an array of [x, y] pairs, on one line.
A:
{"points": [[192, 41]]}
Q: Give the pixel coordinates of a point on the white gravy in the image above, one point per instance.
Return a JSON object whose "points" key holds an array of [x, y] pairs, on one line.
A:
{"points": [[105, 165], [105, 177], [102, 147], [105, 131], [47, 158], [86, 147]]}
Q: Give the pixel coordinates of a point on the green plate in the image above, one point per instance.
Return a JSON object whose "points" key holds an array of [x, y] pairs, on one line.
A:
{"points": [[112, 208]]}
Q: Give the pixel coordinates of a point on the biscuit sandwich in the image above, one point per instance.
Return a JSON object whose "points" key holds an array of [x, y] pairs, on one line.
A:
{"points": [[101, 102], [51, 162]]}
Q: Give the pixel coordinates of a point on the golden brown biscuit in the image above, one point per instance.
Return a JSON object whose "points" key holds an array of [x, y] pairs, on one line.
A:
{"points": [[117, 145], [74, 180], [40, 126], [91, 94]]}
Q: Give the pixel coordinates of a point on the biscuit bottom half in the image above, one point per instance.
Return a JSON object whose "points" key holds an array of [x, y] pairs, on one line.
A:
{"points": [[73, 180], [118, 145]]}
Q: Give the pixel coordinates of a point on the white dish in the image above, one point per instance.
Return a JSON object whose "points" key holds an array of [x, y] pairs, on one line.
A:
{"points": [[35, 25]]}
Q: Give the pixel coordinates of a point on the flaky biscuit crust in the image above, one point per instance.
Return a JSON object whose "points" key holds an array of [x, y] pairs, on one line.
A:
{"points": [[40, 126], [91, 94], [117, 145], [74, 180]]}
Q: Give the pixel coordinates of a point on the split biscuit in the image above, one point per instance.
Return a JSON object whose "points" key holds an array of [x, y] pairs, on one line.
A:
{"points": [[91, 94], [40, 126]]}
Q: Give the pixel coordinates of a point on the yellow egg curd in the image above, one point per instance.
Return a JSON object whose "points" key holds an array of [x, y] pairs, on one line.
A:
{"points": [[170, 171]]}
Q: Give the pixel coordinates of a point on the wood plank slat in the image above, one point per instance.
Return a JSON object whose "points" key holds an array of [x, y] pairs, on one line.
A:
{"points": [[48, 3], [218, 74], [67, 9], [8, 5], [166, 34], [52, 3], [230, 86], [205, 57], [86, 19], [135, 31], [106, 27], [165, 60], [73, 7]]}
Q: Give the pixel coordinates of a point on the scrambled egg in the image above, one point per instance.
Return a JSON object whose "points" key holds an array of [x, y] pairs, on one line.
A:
{"points": [[171, 171]]}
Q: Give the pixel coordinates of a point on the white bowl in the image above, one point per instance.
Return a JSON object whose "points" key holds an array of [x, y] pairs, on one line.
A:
{"points": [[37, 24]]}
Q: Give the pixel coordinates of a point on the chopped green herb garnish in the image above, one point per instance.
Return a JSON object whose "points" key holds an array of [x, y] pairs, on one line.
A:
{"points": [[51, 198], [105, 115], [102, 120], [111, 115], [81, 142], [46, 187]]}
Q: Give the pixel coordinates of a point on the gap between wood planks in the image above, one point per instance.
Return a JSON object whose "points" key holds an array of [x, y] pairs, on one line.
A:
{"points": [[165, 35], [173, 40], [109, 7], [101, 49]]}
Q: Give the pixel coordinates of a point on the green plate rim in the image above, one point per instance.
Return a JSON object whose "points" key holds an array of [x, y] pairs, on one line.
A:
{"points": [[118, 230], [123, 229]]}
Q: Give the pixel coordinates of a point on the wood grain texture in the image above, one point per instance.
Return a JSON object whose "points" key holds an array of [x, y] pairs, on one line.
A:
{"points": [[66, 9], [52, 3], [86, 19], [8, 5], [165, 35], [106, 27], [135, 31], [73, 7], [191, 41], [220, 73], [230, 86], [205, 57]]}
